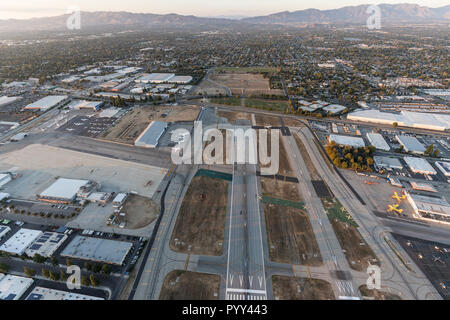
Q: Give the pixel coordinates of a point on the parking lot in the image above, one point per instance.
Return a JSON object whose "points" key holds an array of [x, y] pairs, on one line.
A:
{"points": [[87, 126], [432, 258]]}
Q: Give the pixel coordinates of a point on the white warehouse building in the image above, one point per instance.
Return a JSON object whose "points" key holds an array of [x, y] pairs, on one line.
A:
{"points": [[419, 165], [347, 141], [437, 122], [378, 141]]}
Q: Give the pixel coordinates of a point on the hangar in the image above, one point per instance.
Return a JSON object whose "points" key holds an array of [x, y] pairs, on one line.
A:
{"points": [[430, 208], [63, 190], [387, 163], [150, 137], [46, 103]]}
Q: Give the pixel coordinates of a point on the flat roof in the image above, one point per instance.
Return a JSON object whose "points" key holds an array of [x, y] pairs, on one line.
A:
{"points": [[156, 77], [419, 165], [5, 100], [13, 287], [181, 79], [334, 108], [4, 230], [99, 250], [150, 137], [444, 167], [84, 104], [46, 244], [46, 103], [120, 197], [64, 189], [20, 241], [387, 162], [378, 141], [41, 293], [430, 204], [439, 122], [347, 140], [411, 144]]}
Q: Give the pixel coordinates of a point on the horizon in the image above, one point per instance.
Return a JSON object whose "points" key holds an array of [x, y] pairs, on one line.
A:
{"points": [[49, 8]]}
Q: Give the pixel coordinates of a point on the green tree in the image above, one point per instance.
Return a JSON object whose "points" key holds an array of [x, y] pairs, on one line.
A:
{"points": [[93, 280], [29, 272]]}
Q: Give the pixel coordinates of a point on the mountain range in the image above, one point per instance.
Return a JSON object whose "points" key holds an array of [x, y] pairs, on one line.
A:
{"points": [[390, 14]]}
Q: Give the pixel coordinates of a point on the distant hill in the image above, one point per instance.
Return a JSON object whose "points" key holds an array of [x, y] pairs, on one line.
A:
{"points": [[390, 14]]}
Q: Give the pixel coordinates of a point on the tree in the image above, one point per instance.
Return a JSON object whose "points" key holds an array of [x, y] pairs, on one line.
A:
{"points": [[45, 273], [38, 258], [68, 262], [84, 281], [29, 272], [94, 282], [395, 124], [106, 269], [4, 268]]}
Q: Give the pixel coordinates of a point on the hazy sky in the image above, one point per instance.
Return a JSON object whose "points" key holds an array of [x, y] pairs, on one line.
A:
{"points": [[21, 9]]}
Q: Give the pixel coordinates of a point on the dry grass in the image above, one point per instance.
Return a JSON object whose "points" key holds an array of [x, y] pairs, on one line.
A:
{"points": [[288, 288], [291, 237], [200, 227], [184, 285], [140, 211]]}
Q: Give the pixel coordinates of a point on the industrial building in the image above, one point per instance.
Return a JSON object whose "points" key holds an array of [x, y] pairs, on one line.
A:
{"points": [[181, 79], [4, 100], [46, 244], [150, 137], [411, 144], [444, 167], [155, 78], [4, 230], [99, 197], [64, 190], [347, 141], [120, 199], [83, 104], [437, 122], [46, 103], [41, 293], [386, 163], [3, 196], [378, 141], [98, 250], [20, 241], [419, 165], [422, 186], [4, 179], [334, 109], [430, 208], [14, 287]]}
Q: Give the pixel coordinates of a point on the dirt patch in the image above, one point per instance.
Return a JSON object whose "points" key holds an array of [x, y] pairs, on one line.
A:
{"points": [[232, 117], [128, 129], [377, 294], [292, 123], [280, 189], [358, 253], [262, 120], [246, 84], [288, 288], [140, 211], [185, 285], [291, 237], [285, 166], [200, 227]]}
